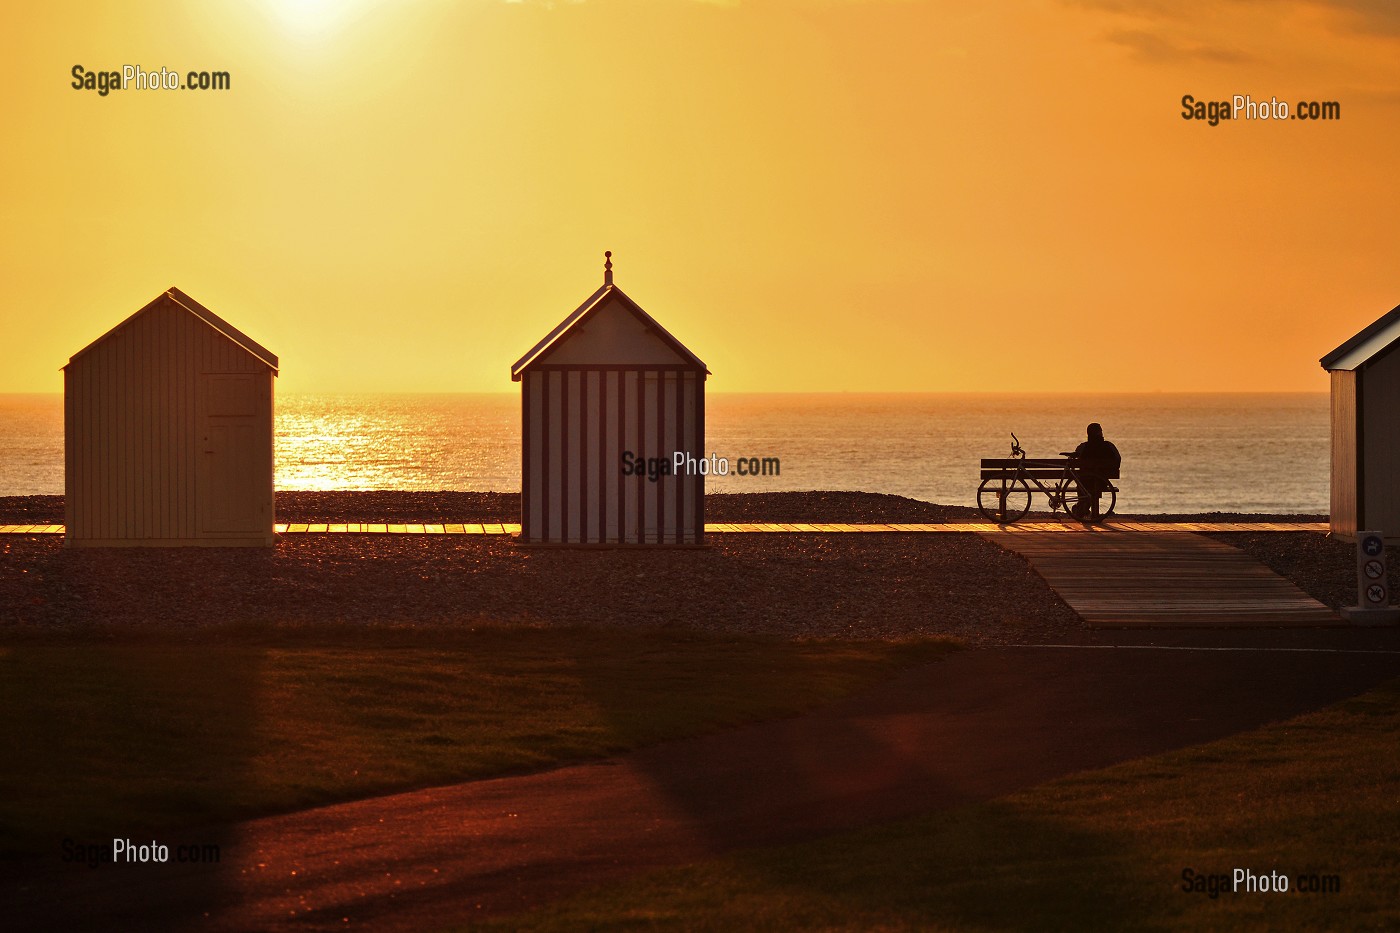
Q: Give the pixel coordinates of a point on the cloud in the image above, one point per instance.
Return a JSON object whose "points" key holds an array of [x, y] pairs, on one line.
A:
{"points": [[1156, 47], [1379, 18], [1371, 17]]}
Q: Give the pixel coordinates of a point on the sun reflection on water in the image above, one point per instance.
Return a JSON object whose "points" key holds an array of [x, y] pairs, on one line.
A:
{"points": [[424, 442]]}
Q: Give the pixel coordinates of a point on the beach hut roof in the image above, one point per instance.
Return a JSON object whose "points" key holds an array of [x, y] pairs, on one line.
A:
{"points": [[1367, 345], [181, 300], [596, 301]]}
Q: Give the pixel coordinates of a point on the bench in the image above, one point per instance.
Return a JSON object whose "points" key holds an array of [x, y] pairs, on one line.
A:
{"points": [[1036, 468]]}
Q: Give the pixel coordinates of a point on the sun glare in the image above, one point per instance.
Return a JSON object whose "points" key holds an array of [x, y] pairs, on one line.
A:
{"points": [[309, 18]]}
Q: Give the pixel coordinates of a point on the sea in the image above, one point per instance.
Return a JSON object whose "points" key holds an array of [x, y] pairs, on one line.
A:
{"points": [[1182, 453]]}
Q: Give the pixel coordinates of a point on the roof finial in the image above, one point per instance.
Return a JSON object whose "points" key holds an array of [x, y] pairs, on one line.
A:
{"points": [[607, 267]]}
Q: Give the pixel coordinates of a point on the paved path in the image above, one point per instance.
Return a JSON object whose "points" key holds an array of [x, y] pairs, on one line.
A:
{"points": [[1164, 580], [980, 724], [507, 528]]}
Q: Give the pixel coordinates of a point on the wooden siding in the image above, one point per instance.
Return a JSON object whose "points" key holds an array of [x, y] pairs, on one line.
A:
{"points": [[578, 423], [1380, 441], [1344, 448], [135, 429]]}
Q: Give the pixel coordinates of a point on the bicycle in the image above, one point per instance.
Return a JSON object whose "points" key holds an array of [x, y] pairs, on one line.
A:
{"points": [[1005, 493]]}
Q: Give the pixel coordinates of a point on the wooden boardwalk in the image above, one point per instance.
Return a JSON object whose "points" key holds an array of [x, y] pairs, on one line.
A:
{"points": [[1164, 580], [508, 528]]}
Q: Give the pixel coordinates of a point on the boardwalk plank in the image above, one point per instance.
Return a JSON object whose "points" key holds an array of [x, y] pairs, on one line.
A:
{"points": [[1163, 580]]}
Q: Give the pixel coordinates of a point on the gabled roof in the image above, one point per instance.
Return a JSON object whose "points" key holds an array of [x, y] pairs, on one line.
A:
{"points": [[1365, 346], [591, 305], [181, 300]]}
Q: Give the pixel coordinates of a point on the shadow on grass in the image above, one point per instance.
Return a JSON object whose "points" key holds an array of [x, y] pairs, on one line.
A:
{"points": [[188, 739], [987, 867], [1312, 798], [983, 725], [140, 735]]}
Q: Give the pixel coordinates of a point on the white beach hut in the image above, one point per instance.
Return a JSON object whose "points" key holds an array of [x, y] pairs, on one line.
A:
{"points": [[167, 422], [607, 390], [1365, 374]]}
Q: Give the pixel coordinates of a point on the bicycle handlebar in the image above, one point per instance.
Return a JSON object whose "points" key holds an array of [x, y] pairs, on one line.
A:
{"points": [[1018, 451]]}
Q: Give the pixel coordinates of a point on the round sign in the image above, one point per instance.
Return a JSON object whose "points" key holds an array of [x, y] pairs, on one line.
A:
{"points": [[1375, 593], [1373, 545], [1374, 569]]}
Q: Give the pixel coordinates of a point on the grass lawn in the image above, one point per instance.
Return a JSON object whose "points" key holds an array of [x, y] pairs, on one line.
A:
{"points": [[1104, 850], [123, 735]]}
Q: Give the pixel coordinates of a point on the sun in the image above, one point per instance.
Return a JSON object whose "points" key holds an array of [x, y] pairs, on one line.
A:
{"points": [[309, 18]]}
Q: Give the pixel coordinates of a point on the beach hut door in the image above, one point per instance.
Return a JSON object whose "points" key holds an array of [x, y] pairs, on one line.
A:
{"points": [[228, 463]]}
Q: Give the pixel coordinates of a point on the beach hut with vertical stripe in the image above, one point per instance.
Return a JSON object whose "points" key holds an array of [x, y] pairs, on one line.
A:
{"points": [[607, 399], [167, 422], [1365, 374]]}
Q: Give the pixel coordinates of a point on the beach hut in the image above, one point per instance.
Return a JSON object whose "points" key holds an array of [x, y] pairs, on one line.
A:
{"points": [[608, 398], [167, 422], [1365, 374]]}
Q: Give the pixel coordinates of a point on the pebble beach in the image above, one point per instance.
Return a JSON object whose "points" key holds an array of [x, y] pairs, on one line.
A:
{"points": [[790, 585]]}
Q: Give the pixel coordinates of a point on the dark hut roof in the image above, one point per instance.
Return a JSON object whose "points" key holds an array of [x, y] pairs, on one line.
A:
{"points": [[1367, 345]]}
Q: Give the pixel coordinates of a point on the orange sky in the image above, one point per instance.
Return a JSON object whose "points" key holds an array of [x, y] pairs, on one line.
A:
{"points": [[881, 195]]}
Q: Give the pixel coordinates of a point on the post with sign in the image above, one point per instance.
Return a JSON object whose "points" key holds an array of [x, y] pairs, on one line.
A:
{"points": [[1372, 583]]}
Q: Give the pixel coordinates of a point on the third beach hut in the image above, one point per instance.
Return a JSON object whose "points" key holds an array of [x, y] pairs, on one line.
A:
{"points": [[1365, 373], [607, 400]]}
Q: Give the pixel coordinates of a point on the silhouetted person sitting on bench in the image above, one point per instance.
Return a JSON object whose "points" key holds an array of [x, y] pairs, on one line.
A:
{"points": [[1095, 461]]}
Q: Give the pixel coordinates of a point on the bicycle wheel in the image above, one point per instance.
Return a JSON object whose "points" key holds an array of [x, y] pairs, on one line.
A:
{"points": [[1069, 493], [1004, 500]]}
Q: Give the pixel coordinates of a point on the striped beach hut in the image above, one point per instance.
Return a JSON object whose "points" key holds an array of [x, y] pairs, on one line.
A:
{"points": [[167, 422], [608, 398], [1365, 373]]}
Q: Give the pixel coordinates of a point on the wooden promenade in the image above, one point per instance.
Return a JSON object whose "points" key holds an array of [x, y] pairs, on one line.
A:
{"points": [[508, 528], [1164, 580]]}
